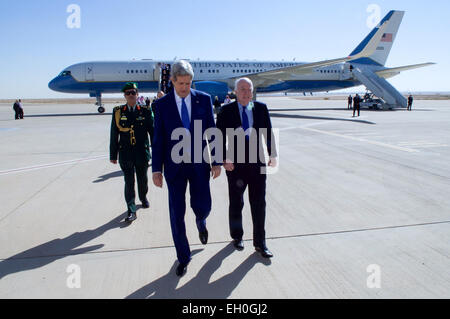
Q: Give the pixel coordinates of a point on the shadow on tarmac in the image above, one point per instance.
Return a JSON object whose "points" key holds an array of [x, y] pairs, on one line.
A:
{"points": [[56, 249], [105, 177], [200, 286], [70, 114], [319, 118]]}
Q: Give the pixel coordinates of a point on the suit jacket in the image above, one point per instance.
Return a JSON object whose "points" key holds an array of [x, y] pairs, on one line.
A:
{"points": [[229, 117], [167, 119], [120, 142]]}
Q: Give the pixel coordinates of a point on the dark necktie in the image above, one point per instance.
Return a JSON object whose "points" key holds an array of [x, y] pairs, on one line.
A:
{"points": [[185, 115], [245, 124]]}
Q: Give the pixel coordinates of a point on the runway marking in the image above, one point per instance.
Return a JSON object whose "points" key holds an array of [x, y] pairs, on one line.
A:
{"points": [[399, 148], [302, 126], [422, 144], [337, 232], [50, 165]]}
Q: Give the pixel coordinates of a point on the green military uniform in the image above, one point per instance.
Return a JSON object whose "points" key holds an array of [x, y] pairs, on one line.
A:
{"points": [[129, 140]]}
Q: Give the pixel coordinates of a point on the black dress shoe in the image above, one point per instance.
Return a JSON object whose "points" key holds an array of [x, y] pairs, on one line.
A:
{"points": [[238, 244], [264, 252], [203, 237], [181, 270], [145, 204], [131, 217]]}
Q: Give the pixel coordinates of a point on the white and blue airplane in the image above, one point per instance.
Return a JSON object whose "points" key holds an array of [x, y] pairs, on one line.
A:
{"points": [[364, 66]]}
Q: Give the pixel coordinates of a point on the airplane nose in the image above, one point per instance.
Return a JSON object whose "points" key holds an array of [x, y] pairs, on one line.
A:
{"points": [[52, 84]]}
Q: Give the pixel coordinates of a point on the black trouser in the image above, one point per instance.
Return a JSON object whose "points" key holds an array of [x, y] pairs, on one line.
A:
{"points": [[355, 108], [242, 176], [129, 168]]}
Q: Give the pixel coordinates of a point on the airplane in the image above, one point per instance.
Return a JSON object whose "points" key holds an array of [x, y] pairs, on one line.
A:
{"points": [[364, 66]]}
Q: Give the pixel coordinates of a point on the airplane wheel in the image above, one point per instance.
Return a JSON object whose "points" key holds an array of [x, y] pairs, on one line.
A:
{"points": [[101, 109]]}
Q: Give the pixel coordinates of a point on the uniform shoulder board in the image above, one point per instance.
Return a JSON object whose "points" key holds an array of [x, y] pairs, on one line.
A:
{"points": [[117, 107]]}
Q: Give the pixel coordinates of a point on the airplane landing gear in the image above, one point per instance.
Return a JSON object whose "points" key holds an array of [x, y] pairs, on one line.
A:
{"points": [[100, 109]]}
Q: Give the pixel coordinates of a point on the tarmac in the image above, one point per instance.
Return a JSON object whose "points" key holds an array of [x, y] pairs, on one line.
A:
{"points": [[357, 208]]}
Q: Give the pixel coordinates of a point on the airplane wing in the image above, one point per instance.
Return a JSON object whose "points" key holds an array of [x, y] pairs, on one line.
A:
{"points": [[287, 73], [388, 73]]}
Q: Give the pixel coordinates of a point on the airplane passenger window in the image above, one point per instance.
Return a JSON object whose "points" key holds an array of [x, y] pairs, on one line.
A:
{"points": [[131, 71], [128, 71]]}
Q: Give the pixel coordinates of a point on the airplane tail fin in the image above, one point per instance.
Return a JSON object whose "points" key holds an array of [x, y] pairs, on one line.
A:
{"points": [[379, 57]]}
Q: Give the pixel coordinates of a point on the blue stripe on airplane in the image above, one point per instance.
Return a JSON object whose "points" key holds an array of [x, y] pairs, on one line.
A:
{"points": [[69, 85], [363, 44], [308, 86], [367, 61]]}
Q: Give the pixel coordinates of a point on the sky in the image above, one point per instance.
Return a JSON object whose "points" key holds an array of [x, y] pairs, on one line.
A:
{"points": [[37, 43]]}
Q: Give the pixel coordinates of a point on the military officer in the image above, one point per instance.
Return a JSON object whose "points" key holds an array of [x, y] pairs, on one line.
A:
{"points": [[130, 126]]}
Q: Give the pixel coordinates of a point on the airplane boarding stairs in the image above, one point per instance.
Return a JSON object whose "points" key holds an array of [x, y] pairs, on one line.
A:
{"points": [[380, 88]]}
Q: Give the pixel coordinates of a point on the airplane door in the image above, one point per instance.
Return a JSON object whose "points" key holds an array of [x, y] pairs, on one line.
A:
{"points": [[164, 83], [89, 72], [345, 73], [157, 73]]}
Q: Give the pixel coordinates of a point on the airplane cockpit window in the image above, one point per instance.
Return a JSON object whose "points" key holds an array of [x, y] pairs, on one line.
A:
{"points": [[65, 73]]}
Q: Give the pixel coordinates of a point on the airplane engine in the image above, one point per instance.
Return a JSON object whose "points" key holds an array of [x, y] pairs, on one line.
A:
{"points": [[213, 88]]}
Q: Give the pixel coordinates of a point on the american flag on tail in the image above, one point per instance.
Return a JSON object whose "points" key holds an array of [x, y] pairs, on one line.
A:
{"points": [[387, 37]]}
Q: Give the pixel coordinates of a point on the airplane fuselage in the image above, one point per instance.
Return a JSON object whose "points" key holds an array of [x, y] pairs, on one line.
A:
{"points": [[109, 77]]}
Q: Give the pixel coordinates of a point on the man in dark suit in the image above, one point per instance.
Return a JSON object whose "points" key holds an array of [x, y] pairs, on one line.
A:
{"points": [[356, 104], [16, 110], [184, 112], [245, 123], [410, 102], [131, 126]]}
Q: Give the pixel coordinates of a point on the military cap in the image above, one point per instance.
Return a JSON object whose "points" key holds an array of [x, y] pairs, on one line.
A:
{"points": [[129, 86]]}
